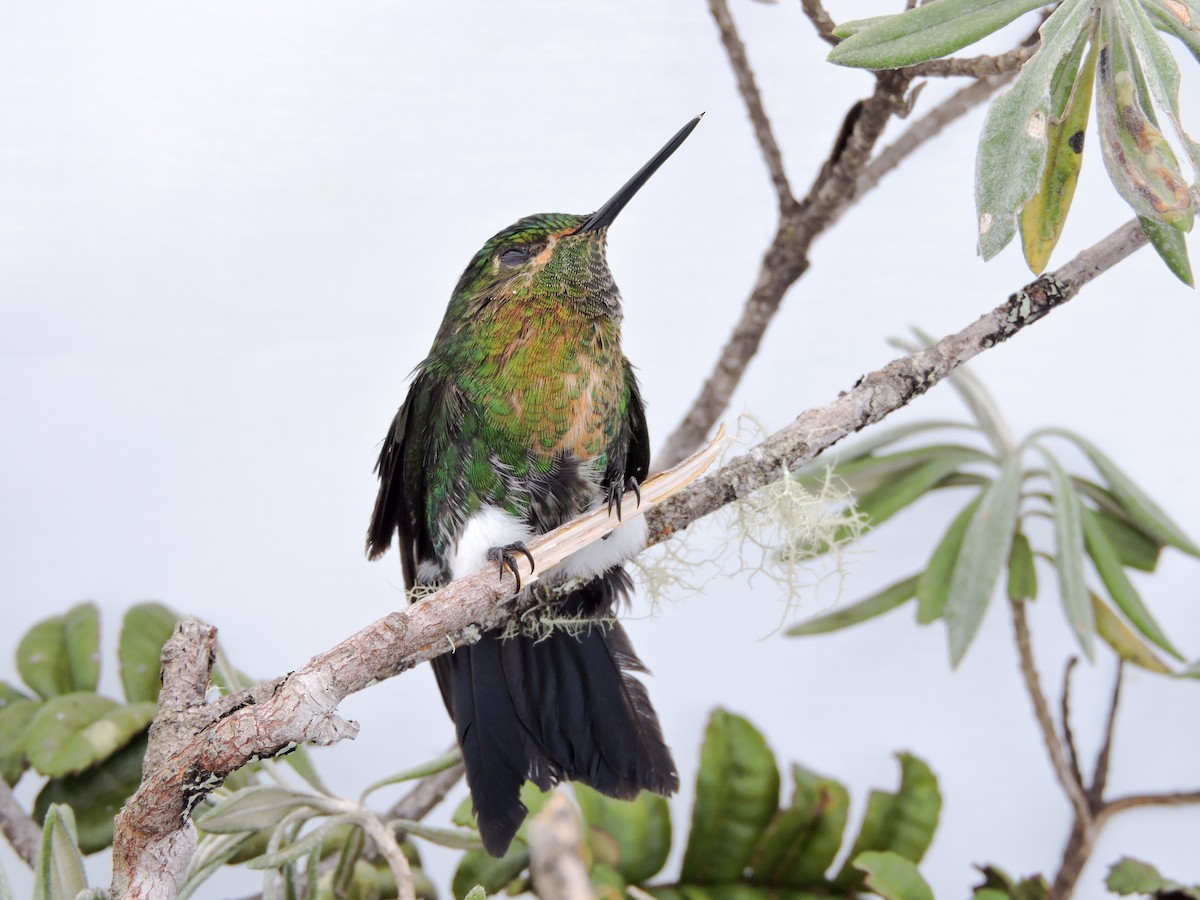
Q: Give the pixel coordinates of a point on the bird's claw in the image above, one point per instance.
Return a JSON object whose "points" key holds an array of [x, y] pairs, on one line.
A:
{"points": [[506, 558], [616, 493]]}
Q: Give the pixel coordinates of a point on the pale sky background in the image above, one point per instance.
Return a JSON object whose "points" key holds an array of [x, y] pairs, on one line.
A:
{"points": [[227, 234]]}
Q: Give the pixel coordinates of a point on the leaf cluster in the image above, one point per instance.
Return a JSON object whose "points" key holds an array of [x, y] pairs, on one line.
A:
{"points": [[1103, 528], [1031, 148]]}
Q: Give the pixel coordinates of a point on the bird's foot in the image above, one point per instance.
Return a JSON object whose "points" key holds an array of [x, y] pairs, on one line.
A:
{"points": [[506, 558], [616, 493]]}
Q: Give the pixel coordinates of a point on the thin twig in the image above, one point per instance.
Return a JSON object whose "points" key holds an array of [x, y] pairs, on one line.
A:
{"points": [[821, 20], [271, 717], [744, 75], [973, 66], [1068, 734], [1100, 773], [555, 858], [18, 826], [425, 795], [1174, 798], [1041, 711]]}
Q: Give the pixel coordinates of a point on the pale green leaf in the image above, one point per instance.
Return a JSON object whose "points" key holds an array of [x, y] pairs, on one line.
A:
{"points": [[1171, 246], [1132, 876], [1180, 18], [1124, 641], [58, 870], [927, 32], [985, 548], [1013, 145], [252, 809], [933, 585], [145, 629], [42, 658], [75, 731], [432, 767], [1022, 574], [289, 853], [81, 640], [1069, 546], [454, 838], [631, 837]]}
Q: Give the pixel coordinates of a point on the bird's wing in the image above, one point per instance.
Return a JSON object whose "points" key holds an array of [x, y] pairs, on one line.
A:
{"points": [[629, 453]]}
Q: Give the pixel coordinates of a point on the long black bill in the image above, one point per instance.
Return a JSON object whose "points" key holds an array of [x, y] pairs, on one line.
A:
{"points": [[604, 216]]}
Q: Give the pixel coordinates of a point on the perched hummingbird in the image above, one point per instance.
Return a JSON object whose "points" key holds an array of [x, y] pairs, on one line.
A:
{"points": [[525, 415]]}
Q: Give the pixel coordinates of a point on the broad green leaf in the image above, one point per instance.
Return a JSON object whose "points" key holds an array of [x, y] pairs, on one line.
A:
{"points": [[9, 693], [984, 550], [1170, 245], [145, 629], [313, 841], [1022, 574], [933, 585], [1133, 499], [1068, 542], [1123, 639], [15, 717], [75, 731], [81, 639], [999, 885], [631, 837], [1132, 876], [1133, 548], [432, 767], [892, 877], [1043, 217], [58, 871], [927, 32], [1180, 18], [455, 839], [737, 793], [476, 893], [1108, 564], [1139, 160], [1012, 148], [1160, 68], [875, 605], [97, 794], [801, 841], [493, 875], [42, 658], [252, 809], [903, 822]]}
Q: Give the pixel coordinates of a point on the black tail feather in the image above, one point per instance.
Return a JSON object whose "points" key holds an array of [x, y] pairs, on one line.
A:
{"points": [[564, 707]]}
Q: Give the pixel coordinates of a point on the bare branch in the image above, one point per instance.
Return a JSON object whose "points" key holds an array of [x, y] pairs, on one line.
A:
{"points": [[154, 838], [821, 21], [744, 75], [1068, 734], [22, 832], [556, 862], [1174, 798], [425, 795], [1100, 775], [974, 66], [1041, 711]]}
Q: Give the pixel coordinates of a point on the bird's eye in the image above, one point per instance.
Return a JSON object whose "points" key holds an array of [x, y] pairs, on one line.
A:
{"points": [[514, 256]]}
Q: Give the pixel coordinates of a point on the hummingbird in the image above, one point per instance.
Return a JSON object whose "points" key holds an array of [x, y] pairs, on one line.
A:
{"points": [[524, 415]]}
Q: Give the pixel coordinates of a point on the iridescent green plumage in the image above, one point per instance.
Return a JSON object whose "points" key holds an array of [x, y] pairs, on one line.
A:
{"points": [[525, 415]]}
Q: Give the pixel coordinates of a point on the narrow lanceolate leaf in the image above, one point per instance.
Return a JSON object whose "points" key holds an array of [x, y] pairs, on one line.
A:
{"points": [[801, 842], [1043, 217], [454, 838], [290, 853], [1139, 161], [1138, 548], [875, 605], [933, 586], [854, 26], [1171, 246], [865, 474], [903, 822], [1012, 148], [433, 766], [1022, 574], [1108, 564], [58, 871], [1068, 543], [1180, 18], [144, 631], [1123, 639], [981, 558], [737, 793], [1161, 69], [1148, 515], [893, 877], [927, 32], [252, 809], [75, 731]]}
